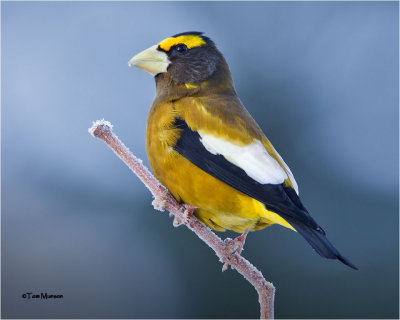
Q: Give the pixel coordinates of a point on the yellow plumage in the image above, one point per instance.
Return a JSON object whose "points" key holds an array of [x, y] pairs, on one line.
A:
{"points": [[189, 40]]}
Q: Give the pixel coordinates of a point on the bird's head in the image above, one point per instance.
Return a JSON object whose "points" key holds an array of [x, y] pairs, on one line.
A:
{"points": [[188, 58]]}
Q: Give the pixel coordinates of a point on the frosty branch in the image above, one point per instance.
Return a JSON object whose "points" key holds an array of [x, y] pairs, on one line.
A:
{"points": [[163, 200]]}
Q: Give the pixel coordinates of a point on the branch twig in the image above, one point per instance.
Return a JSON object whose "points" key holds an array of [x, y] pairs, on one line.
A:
{"points": [[163, 200]]}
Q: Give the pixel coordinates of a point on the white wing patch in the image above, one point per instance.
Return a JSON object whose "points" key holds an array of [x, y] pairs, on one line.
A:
{"points": [[291, 177], [253, 159]]}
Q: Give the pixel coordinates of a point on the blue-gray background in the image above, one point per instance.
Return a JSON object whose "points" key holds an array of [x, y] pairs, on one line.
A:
{"points": [[320, 78]]}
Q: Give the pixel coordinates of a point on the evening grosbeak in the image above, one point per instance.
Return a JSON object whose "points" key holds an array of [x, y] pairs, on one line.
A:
{"points": [[205, 147]]}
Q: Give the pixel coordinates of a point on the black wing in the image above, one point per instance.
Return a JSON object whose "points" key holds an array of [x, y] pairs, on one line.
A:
{"points": [[276, 197]]}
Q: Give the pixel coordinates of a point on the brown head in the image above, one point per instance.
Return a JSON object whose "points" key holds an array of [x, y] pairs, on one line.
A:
{"points": [[187, 62]]}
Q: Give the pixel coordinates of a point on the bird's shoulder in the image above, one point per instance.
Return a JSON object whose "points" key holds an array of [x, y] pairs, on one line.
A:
{"points": [[220, 115]]}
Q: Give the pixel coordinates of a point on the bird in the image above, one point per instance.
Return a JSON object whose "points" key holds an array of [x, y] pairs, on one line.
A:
{"points": [[209, 152]]}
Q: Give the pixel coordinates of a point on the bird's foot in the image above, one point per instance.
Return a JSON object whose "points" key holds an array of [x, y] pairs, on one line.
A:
{"points": [[234, 246], [187, 212]]}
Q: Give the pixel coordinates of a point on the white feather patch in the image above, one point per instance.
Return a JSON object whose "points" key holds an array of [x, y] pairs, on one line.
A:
{"points": [[289, 172], [253, 159]]}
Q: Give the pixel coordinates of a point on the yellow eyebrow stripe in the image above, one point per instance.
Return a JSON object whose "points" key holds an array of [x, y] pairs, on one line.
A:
{"points": [[190, 41]]}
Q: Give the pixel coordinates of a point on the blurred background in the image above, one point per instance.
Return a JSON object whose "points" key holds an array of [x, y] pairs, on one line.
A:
{"points": [[321, 78]]}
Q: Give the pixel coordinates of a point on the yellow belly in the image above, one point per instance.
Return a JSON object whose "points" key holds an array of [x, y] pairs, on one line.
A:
{"points": [[219, 206]]}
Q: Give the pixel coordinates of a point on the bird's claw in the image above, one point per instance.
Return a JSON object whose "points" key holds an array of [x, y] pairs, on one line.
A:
{"points": [[233, 246], [187, 212]]}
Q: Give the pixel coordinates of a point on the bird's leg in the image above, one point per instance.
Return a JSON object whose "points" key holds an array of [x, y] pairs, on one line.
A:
{"points": [[235, 245], [187, 214], [241, 240]]}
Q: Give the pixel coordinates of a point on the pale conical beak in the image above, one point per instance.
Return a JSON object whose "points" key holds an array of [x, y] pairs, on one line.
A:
{"points": [[151, 60]]}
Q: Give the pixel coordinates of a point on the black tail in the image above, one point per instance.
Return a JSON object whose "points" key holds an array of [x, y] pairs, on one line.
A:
{"points": [[320, 243]]}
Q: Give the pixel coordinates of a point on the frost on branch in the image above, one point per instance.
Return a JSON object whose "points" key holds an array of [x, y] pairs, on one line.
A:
{"points": [[227, 252], [100, 125], [159, 204]]}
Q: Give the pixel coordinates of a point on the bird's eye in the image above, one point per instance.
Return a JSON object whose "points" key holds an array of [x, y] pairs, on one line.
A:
{"points": [[181, 48]]}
